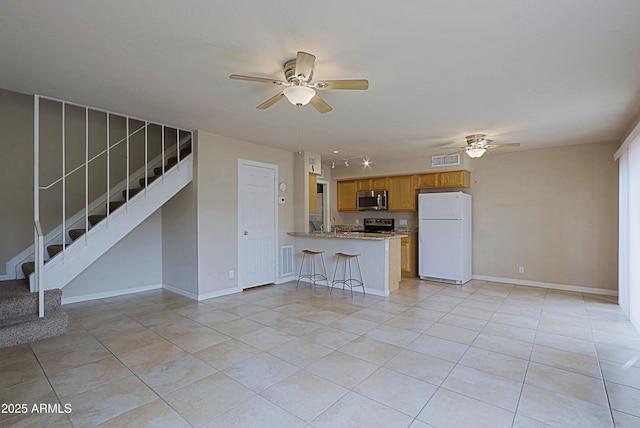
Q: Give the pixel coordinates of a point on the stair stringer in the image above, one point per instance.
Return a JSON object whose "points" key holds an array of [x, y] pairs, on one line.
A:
{"points": [[61, 270]]}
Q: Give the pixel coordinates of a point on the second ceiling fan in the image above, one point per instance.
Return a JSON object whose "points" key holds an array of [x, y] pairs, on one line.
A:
{"points": [[299, 90]]}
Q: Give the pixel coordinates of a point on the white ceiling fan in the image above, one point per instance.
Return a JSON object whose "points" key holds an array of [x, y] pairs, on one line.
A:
{"points": [[299, 90], [477, 145]]}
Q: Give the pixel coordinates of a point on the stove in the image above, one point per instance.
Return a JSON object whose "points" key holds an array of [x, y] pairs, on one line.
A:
{"points": [[379, 225]]}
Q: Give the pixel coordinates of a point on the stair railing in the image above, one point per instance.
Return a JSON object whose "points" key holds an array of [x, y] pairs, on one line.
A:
{"points": [[39, 246], [38, 235]]}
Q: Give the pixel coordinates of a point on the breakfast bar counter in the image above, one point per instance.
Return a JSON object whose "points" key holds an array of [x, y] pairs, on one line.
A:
{"points": [[379, 256]]}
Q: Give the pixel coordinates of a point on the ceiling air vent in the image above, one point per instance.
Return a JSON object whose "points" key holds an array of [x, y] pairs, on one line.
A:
{"points": [[445, 160]]}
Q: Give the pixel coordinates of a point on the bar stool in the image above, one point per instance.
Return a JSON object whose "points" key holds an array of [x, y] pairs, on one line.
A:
{"points": [[311, 266], [349, 281]]}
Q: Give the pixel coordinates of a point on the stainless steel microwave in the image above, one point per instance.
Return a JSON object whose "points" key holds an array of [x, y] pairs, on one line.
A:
{"points": [[375, 200]]}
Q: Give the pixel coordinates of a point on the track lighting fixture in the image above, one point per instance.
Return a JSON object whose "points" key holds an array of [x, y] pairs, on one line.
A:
{"points": [[365, 161]]}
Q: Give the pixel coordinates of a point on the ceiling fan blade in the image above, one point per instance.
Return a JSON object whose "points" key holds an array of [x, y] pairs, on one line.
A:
{"points": [[258, 79], [320, 104], [357, 84], [271, 101], [304, 66], [493, 146]]}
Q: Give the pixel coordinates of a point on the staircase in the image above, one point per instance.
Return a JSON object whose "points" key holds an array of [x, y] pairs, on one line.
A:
{"points": [[161, 171], [19, 320], [112, 212]]}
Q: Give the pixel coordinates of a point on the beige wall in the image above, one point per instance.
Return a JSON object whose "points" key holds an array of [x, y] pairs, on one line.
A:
{"points": [[217, 205], [134, 262], [180, 239], [553, 211], [16, 164]]}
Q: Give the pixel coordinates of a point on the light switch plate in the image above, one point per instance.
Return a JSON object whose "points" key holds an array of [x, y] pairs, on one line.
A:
{"points": [[403, 222]]}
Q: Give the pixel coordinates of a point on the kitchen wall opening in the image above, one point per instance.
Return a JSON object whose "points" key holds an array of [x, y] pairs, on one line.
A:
{"points": [[319, 220]]}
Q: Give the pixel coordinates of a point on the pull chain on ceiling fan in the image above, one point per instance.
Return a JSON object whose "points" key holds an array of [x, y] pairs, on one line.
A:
{"points": [[299, 90]]}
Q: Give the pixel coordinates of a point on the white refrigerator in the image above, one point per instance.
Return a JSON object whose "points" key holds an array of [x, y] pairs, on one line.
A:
{"points": [[444, 221]]}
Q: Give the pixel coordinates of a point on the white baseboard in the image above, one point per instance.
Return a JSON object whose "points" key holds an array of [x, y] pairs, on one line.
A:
{"points": [[219, 293], [180, 292], [286, 279], [112, 293], [564, 287]]}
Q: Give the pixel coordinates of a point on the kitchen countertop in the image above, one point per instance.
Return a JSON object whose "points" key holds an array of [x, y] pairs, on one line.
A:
{"points": [[349, 235]]}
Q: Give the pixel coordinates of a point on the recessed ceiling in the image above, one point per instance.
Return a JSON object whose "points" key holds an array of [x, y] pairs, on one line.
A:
{"points": [[559, 73]]}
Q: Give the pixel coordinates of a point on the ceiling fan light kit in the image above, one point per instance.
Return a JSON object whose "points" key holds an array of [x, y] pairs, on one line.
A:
{"points": [[299, 90], [299, 95], [477, 145], [475, 152]]}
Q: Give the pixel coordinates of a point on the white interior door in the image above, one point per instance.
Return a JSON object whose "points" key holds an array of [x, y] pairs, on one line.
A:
{"points": [[256, 223]]}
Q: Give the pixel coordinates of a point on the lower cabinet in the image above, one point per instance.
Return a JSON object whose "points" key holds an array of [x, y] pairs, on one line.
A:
{"points": [[409, 255]]}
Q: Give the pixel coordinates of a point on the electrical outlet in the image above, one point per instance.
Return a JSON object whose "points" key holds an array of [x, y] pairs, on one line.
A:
{"points": [[231, 274], [403, 222], [357, 221], [521, 269]]}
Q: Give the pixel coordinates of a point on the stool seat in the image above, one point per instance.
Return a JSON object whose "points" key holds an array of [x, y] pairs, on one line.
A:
{"points": [[312, 274], [348, 280], [347, 255]]}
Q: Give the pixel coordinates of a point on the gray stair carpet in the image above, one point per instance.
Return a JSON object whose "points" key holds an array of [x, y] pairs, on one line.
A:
{"points": [[19, 320]]}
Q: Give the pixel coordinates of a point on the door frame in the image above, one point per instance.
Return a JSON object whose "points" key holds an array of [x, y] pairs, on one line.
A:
{"points": [[326, 202], [276, 258]]}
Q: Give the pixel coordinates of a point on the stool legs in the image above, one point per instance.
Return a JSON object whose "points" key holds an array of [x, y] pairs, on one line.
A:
{"points": [[347, 265], [313, 275]]}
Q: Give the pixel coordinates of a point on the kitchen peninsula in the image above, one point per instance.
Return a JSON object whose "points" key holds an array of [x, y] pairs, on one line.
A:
{"points": [[379, 255]]}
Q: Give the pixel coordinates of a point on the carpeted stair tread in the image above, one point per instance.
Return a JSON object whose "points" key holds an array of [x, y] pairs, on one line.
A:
{"points": [[76, 233], [54, 249], [27, 329], [132, 192], [186, 151], [115, 205], [150, 179], [96, 218], [25, 304], [13, 287], [28, 268]]}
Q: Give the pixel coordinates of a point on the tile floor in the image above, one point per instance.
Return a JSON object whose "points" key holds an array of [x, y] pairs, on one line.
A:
{"points": [[430, 355]]}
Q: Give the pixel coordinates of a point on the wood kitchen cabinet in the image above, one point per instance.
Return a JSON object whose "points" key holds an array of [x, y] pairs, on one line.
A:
{"points": [[427, 181], [313, 193], [436, 180], [409, 255], [347, 195], [375, 183], [402, 193], [454, 179]]}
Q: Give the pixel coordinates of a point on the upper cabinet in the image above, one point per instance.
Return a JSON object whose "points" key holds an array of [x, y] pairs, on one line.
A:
{"points": [[436, 180], [427, 181], [402, 189], [402, 193], [376, 183], [347, 195], [313, 193], [454, 179]]}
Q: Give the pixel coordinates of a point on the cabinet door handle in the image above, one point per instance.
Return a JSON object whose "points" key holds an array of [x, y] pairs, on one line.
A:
{"points": [[245, 233]]}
